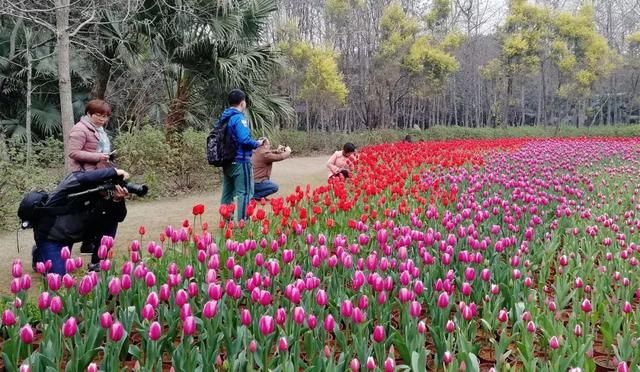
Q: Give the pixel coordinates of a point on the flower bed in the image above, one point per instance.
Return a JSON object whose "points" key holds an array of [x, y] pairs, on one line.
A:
{"points": [[435, 255]]}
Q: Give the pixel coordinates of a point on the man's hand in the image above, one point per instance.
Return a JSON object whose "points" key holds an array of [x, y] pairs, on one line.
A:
{"points": [[119, 193], [280, 148], [260, 142], [287, 149], [124, 174]]}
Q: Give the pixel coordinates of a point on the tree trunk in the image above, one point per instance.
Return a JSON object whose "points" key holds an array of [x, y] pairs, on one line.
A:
{"points": [[103, 73], [64, 74], [27, 121], [175, 122]]}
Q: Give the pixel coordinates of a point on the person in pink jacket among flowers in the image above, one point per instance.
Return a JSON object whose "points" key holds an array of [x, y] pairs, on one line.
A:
{"points": [[340, 164]]}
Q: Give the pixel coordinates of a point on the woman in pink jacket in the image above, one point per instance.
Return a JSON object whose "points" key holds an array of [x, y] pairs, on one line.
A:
{"points": [[89, 144], [341, 162]]}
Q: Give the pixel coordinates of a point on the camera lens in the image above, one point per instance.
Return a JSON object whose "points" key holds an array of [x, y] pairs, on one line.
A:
{"points": [[138, 189]]}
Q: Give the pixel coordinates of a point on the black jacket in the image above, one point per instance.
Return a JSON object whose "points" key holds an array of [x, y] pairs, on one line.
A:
{"points": [[80, 214]]}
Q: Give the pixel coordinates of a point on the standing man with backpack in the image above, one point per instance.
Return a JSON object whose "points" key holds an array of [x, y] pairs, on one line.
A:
{"points": [[237, 171]]}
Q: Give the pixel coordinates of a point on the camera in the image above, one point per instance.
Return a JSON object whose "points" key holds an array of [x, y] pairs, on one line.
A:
{"points": [[133, 188]]}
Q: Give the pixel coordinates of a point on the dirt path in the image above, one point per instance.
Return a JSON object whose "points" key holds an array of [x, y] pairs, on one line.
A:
{"points": [[157, 214]]}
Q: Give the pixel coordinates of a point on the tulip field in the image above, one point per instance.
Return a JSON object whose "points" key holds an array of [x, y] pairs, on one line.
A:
{"points": [[468, 255]]}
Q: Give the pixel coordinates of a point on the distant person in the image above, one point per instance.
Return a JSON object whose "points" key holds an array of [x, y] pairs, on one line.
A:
{"points": [[238, 176], [407, 139], [340, 164], [262, 161], [89, 144]]}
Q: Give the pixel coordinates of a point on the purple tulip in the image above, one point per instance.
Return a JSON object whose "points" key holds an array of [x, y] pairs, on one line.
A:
{"points": [[155, 331], [56, 305], [8, 318], [189, 326], [116, 331], [266, 324], [106, 320]]}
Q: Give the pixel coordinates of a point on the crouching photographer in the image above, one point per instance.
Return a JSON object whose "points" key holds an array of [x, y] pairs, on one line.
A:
{"points": [[84, 207]]}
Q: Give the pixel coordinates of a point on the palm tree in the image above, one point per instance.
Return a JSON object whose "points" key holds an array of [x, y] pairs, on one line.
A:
{"points": [[211, 47]]}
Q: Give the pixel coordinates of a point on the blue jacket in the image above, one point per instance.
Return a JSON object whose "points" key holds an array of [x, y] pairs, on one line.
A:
{"points": [[240, 133]]}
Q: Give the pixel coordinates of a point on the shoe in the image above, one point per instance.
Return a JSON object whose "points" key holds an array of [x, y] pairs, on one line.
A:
{"points": [[94, 267], [87, 247]]}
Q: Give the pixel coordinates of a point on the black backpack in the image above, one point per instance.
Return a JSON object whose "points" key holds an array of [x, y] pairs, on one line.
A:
{"points": [[221, 148]]}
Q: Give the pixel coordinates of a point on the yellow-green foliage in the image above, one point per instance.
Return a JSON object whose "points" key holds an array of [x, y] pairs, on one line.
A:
{"points": [[439, 12], [322, 79], [398, 29], [406, 45]]}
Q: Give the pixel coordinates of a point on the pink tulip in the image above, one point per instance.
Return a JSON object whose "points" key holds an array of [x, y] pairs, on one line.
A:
{"points": [[358, 315], [531, 327], [116, 332], [626, 308], [354, 365], [150, 279], [378, 334], [54, 282], [211, 309], [155, 331], [185, 311], [25, 368], [586, 306], [148, 312], [371, 364], [253, 346], [298, 315], [215, 292], [181, 297], [466, 289], [389, 365], [70, 327], [56, 305], [86, 285], [443, 300], [26, 334], [321, 298], [65, 253], [447, 358], [114, 286], [106, 320], [554, 343], [189, 326], [25, 282], [451, 326], [577, 330], [346, 309], [125, 282], [422, 327], [312, 322], [165, 293], [44, 300], [266, 325], [329, 323], [8, 318], [282, 344], [622, 367], [503, 316], [92, 367], [415, 309]]}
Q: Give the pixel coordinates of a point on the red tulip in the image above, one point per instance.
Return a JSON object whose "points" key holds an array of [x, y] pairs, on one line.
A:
{"points": [[198, 209]]}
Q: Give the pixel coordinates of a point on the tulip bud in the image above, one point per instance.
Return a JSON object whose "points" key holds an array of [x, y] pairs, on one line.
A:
{"points": [[389, 365], [554, 343], [106, 321], [371, 364], [378, 334], [586, 306], [155, 331], [253, 346], [56, 305], [447, 358], [266, 325], [329, 323], [116, 331], [8, 318], [92, 367], [354, 365], [451, 326], [70, 327], [189, 326], [25, 368], [531, 327], [577, 330]]}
